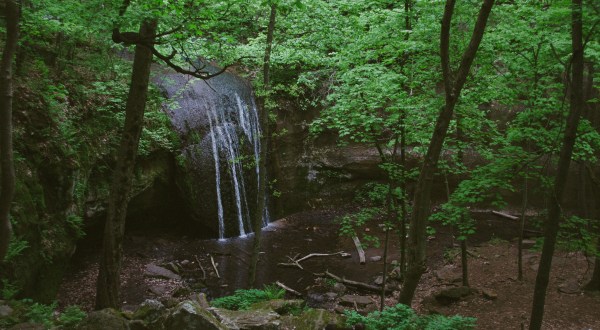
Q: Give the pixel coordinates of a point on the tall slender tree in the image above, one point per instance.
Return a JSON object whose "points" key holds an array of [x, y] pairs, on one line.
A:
{"points": [[145, 41], [7, 170], [107, 292], [555, 199], [264, 124], [453, 84]]}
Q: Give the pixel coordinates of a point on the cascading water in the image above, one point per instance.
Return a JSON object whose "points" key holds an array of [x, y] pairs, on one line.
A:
{"points": [[219, 127]]}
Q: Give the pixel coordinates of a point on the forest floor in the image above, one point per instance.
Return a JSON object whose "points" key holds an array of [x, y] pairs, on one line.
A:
{"points": [[499, 300]]}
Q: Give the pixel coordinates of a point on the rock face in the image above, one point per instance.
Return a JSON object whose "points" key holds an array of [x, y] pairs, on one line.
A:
{"points": [[189, 315], [104, 319], [218, 125], [252, 319], [450, 295], [160, 272]]}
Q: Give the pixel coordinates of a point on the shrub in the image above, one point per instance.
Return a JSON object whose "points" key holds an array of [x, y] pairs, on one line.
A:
{"points": [[242, 299], [401, 317], [71, 316]]}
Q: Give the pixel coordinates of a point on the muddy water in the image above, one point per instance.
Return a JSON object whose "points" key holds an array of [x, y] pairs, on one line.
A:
{"points": [[296, 235]]}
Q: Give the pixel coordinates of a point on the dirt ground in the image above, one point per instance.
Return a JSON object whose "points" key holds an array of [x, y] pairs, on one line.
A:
{"points": [[506, 303]]}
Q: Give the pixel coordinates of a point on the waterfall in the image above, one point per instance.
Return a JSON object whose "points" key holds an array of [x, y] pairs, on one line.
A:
{"points": [[218, 123]]}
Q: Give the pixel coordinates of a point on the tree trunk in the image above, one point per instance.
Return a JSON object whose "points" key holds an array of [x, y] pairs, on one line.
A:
{"points": [[522, 226], [594, 283], [418, 222], [403, 198], [107, 294], [7, 169], [564, 160], [264, 124]]}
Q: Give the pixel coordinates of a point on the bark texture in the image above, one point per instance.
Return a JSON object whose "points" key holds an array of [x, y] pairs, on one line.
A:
{"points": [[107, 293], [564, 160], [264, 124], [7, 170], [453, 84]]}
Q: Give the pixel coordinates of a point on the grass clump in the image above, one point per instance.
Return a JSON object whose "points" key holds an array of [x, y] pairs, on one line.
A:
{"points": [[243, 299], [401, 317]]}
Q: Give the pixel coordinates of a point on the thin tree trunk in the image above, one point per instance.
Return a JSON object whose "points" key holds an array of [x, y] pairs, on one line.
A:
{"points": [[107, 294], [594, 283], [464, 255], [522, 226], [7, 170], [555, 199], [264, 124], [418, 224], [404, 196], [392, 215], [464, 262]]}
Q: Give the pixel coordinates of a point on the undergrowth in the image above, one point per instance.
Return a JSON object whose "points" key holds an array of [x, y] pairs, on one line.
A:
{"points": [[243, 299], [401, 317], [26, 310]]}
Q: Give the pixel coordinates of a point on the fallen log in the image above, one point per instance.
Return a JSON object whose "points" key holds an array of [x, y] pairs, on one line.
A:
{"points": [[294, 262], [360, 285], [504, 215], [212, 261], [361, 252], [288, 289]]}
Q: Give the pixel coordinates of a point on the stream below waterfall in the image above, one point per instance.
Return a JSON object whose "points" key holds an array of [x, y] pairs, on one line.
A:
{"points": [[296, 235]]}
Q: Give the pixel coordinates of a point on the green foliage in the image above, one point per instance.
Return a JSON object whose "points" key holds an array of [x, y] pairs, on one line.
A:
{"points": [[9, 290], [43, 314], [15, 247], [401, 317], [71, 316], [352, 223], [578, 234], [26, 310], [75, 223], [243, 299]]}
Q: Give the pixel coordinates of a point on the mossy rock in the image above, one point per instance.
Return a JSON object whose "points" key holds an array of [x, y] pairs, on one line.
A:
{"points": [[281, 306], [263, 319], [189, 315], [104, 319], [312, 319]]}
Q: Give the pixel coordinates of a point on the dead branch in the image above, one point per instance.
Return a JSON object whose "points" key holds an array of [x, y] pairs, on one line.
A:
{"points": [[212, 261], [288, 289], [504, 215], [361, 252], [360, 285], [201, 268], [295, 262]]}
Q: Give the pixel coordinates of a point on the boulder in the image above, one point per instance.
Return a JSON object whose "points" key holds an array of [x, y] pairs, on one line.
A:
{"points": [[489, 294], [104, 319], [153, 270], [280, 306], [339, 288], [5, 311], [351, 300], [569, 287], [448, 274], [189, 315], [200, 298], [450, 295], [313, 319], [152, 313], [248, 319]]}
